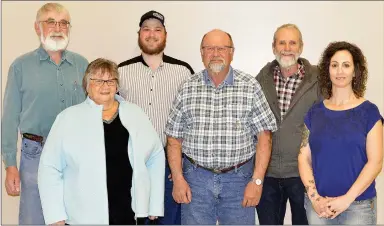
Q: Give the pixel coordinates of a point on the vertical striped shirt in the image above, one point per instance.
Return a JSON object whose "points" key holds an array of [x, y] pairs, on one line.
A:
{"points": [[154, 91]]}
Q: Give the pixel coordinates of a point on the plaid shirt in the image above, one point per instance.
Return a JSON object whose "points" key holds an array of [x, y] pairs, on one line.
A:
{"points": [[286, 87], [218, 124]]}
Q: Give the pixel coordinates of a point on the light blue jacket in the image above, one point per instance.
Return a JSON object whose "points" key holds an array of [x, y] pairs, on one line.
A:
{"points": [[72, 171]]}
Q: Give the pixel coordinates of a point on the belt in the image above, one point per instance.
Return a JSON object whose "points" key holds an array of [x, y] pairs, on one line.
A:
{"points": [[217, 171], [33, 137]]}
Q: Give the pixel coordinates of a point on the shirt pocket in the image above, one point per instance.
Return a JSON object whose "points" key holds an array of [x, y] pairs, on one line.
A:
{"points": [[235, 117], [76, 92], [31, 149]]}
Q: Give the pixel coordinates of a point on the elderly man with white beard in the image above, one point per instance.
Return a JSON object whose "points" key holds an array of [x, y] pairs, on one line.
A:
{"points": [[290, 86], [40, 85], [219, 120]]}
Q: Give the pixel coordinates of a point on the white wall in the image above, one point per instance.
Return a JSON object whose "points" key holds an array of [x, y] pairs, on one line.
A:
{"points": [[108, 29]]}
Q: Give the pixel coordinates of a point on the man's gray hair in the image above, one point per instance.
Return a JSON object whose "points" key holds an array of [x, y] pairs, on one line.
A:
{"points": [[51, 7], [289, 26], [229, 36]]}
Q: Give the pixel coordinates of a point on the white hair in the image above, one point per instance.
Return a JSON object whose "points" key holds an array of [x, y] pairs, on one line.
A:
{"points": [[289, 26], [51, 7]]}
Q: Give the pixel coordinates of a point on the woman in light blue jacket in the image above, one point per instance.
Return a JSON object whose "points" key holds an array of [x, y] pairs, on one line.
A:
{"points": [[103, 162]]}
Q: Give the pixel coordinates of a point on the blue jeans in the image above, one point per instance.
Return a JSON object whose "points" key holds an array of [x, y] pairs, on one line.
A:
{"points": [[359, 212], [217, 196], [273, 202], [30, 211], [172, 209]]}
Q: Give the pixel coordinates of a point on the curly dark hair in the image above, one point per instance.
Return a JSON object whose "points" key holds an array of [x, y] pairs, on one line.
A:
{"points": [[359, 81]]}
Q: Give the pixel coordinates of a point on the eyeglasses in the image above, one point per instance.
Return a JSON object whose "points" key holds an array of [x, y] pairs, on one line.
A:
{"points": [[100, 82], [220, 49], [62, 24]]}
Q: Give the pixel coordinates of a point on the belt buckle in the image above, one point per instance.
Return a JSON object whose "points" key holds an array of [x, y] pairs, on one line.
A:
{"points": [[27, 136], [216, 171]]}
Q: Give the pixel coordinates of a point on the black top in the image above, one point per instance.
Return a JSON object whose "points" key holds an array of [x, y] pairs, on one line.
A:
{"points": [[119, 172]]}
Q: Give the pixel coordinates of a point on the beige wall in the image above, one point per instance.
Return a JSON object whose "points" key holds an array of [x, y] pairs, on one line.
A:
{"points": [[108, 29]]}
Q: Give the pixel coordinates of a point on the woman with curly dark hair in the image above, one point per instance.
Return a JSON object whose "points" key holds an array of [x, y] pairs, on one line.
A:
{"points": [[342, 148]]}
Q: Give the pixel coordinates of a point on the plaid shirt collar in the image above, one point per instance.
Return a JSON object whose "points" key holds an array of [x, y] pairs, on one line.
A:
{"points": [[229, 79]]}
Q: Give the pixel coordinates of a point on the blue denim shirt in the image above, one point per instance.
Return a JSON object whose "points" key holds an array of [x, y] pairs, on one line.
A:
{"points": [[37, 90]]}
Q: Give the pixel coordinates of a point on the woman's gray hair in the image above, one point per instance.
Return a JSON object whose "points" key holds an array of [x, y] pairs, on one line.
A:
{"points": [[100, 66]]}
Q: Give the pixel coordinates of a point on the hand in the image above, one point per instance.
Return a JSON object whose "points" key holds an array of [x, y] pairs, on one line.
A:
{"points": [[339, 204], [181, 191], [12, 181], [320, 205], [59, 223], [170, 177], [152, 218], [252, 195]]}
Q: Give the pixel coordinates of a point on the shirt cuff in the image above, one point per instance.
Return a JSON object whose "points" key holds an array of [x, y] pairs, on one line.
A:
{"points": [[9, 160]]}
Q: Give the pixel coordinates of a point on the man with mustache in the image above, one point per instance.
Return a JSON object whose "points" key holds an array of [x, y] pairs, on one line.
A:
{"points": [[40, 85], [219, 120], [151, 81], [290, 86]]}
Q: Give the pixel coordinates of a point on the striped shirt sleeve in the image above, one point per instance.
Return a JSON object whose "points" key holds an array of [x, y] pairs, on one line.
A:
{"points": [[176, 119]]}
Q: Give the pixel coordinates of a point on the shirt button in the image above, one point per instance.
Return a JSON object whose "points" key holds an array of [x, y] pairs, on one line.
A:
{"points": [[151, 89], [61, 84], [62, 101], [149, 103]]}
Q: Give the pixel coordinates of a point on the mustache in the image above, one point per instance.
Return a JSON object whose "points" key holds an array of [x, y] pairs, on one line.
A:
{"points": [[287, 53], [151, 38], [57, 34], [216, 58]]}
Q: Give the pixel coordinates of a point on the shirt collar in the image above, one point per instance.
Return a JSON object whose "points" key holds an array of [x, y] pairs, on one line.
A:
{"points": [[66, 56], [93, 104], [229, 79], [143, 61]]}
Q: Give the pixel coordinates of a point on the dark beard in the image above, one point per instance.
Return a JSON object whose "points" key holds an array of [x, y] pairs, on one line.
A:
{"points": [[155, 51]]}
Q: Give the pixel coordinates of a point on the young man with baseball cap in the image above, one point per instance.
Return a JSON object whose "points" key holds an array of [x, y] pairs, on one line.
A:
{"points": [[151, 80]]}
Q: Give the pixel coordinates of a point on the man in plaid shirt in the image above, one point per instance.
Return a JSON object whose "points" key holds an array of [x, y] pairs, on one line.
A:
{"points": [[290, 86], [219, 120]]}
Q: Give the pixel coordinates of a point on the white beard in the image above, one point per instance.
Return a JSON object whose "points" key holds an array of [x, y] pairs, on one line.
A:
{"points": [[53, 45], [216, 67], [286, 63]]}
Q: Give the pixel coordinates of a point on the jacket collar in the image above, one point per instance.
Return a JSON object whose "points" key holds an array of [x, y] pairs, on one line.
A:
{"points": [[92, 103], [266, 81]]}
